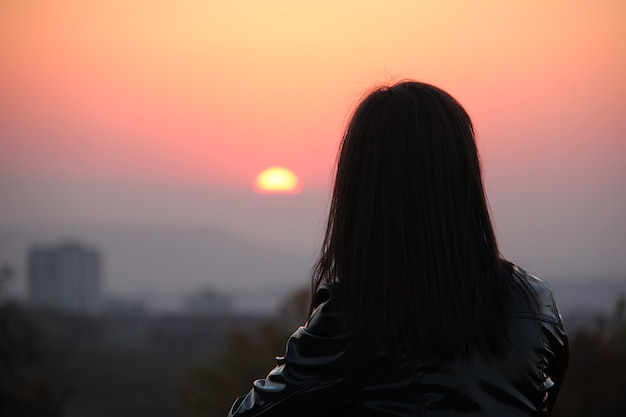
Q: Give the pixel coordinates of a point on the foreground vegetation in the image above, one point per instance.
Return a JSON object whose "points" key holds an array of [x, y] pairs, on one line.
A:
{"points": [[59, 366]]}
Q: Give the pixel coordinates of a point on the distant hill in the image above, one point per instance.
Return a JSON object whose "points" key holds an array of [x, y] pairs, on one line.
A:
{"points": [[580, 301], [161, 265]]}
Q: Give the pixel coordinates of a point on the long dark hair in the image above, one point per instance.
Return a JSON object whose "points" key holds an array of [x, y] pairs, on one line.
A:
{"points": [[409, 241]]}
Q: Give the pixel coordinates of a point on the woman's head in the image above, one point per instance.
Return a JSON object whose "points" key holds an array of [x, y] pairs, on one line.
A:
{"points": [[409, 230]]}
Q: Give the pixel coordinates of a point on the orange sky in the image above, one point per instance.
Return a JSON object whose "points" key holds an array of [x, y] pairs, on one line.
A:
{"points": [[159, 113], [214, 92]]}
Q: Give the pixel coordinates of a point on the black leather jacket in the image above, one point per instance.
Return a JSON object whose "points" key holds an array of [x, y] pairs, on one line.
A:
{"points": [[318, 374]]}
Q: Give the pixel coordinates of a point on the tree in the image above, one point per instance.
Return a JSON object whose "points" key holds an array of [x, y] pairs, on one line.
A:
{"points": [[25, 380], [595, 381], [211, 389]]}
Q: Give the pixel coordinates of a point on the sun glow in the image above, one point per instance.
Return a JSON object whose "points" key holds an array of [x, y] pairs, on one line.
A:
{"points": [[277, 180]]}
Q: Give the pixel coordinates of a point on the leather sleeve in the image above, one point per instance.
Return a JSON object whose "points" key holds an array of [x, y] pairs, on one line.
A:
{"points": [[554, 352], [556, 345], [312, 374]]}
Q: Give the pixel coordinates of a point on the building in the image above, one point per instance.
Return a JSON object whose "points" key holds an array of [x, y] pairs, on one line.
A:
{"points": [[207, 302], [65, 278]]}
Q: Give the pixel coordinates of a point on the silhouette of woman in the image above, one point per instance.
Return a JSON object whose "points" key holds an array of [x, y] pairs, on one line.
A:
{"points": [[414, 310]]}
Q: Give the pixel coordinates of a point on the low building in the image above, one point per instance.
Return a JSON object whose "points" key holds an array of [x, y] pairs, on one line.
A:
{"points": [[207, 302]]}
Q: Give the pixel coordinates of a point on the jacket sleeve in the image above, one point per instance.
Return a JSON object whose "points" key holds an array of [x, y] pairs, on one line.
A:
{"points": [[549, 358], [556, 344], [313, 373]]}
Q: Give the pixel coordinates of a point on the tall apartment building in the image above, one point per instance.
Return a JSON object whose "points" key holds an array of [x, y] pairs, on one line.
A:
{"points": [[65, 278]]}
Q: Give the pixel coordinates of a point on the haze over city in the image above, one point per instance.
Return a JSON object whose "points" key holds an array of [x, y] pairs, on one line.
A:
{"points": [[139, 128]]}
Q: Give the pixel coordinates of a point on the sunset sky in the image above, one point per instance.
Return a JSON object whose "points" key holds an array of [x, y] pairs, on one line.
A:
{"points": [[105, 101]]}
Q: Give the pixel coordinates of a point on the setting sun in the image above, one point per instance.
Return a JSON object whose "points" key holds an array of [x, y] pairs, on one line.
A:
{"points": [[276, 180]]}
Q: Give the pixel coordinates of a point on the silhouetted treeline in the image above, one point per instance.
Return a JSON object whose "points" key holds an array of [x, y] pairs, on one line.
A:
{"points": [[55, 363]]}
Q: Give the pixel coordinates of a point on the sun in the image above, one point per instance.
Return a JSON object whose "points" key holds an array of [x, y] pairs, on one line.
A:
{"points": [[276, 180]]}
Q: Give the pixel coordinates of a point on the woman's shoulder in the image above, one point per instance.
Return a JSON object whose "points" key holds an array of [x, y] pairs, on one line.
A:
{"points": [[326, 319], [532, 295]]}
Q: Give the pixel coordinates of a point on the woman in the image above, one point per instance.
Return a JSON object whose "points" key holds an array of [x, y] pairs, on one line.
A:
{"points": [[414, 312]]}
